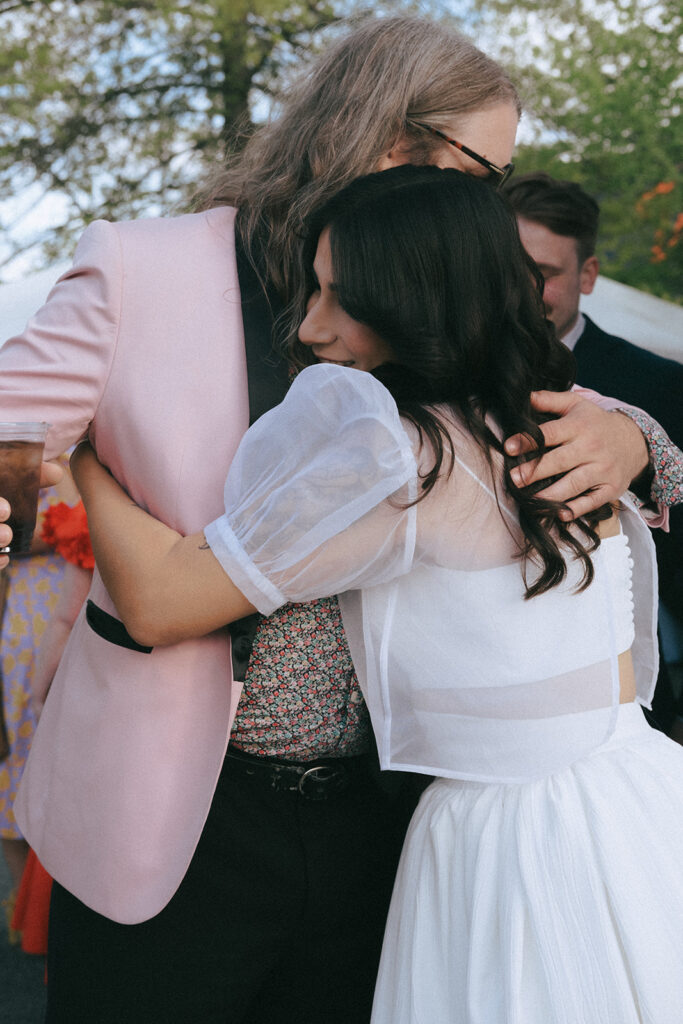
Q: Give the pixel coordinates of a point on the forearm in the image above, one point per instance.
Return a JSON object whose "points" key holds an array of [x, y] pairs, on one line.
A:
{"points": [[166, 588]]}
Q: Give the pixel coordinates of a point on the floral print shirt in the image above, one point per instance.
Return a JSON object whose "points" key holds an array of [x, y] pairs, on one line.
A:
{"points": [[301, 698], [666, 460]]}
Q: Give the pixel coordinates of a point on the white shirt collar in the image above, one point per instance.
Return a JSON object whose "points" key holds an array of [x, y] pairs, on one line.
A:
{"points": [[571, 337]]}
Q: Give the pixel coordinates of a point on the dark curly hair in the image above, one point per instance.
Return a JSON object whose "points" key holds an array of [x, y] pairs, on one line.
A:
{"points": [[431, 260]]}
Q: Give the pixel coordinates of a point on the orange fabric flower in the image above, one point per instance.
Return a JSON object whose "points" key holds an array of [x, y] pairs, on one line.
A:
{"points": [[66, 530]]}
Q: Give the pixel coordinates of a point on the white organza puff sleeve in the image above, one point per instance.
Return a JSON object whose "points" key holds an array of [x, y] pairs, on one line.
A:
{"points": [[315, 501]]}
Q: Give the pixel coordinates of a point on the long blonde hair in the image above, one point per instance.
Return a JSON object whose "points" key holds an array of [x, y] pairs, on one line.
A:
{"points": [[337, 121]]}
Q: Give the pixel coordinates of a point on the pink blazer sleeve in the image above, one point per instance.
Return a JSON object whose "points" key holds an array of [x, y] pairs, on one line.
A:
{"points": [[57, 368]]}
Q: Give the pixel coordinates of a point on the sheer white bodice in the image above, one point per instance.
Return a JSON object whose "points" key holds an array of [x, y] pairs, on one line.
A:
{"points": [[462, 676]]}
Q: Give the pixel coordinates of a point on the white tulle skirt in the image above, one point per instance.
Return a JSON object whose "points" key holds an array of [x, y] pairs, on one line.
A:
{"points": [[558, 901]]}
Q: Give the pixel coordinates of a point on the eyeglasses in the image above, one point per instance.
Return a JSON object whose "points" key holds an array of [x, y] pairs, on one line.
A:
{"points": [[499, 175]]}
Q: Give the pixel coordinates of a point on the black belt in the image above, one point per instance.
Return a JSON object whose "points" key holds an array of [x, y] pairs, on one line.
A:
{"points": [[312, 780]]}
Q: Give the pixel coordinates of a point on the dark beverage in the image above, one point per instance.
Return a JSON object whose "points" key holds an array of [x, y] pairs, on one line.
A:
{"points": [[20, 462]]}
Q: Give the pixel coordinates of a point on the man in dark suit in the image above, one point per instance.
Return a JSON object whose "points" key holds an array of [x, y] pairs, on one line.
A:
{"points": [[558, 225]]}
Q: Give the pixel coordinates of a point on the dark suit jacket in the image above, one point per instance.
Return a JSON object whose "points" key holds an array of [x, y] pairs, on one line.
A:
{"points": [[615, 367]]}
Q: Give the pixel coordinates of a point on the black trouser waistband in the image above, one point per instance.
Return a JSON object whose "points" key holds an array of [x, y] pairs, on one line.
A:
{"points": [[317, 779]]}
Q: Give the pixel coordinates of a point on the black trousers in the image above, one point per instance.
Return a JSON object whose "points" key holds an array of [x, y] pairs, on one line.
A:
{"points": [[279, 919]]}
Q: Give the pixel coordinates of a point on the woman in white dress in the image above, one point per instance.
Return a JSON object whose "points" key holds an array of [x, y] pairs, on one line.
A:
{"points": [[500, 647]]}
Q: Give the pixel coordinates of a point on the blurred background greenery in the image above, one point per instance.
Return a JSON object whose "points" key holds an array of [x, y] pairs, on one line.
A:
{"points": [[120, 109]]}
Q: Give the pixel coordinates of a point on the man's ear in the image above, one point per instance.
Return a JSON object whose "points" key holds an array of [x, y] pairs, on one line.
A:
{"points": [[588, 274]]}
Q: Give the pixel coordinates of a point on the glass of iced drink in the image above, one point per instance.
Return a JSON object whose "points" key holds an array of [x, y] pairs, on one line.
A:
{"points": [[21, 455]]}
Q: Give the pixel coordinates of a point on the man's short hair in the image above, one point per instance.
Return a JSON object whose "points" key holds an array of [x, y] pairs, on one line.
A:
{"points": [[561, 206]]}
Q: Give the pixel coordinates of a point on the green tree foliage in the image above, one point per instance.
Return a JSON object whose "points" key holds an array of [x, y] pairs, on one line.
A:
{"points": [[602, 81], [119, 108]]}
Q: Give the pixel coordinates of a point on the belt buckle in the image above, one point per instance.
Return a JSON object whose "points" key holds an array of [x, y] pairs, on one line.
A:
{"points": [[313, 782], [281, 780]]}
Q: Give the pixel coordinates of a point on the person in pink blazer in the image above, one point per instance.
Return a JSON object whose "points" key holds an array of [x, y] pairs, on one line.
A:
{"points": [[253, 887]]}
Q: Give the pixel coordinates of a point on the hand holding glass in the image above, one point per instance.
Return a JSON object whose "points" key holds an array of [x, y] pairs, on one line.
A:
{"points": [[21, 455]]}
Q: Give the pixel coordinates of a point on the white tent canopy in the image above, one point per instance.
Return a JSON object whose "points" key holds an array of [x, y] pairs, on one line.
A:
{"points": [[643, 319], [618, 309]]}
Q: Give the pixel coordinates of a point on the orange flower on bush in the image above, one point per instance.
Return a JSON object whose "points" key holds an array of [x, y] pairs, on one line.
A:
{"points": [[66, 530], [664, 238], [662, 189]]}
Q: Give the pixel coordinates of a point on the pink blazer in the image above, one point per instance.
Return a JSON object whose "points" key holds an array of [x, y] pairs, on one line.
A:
{"points": [[140, 345]]}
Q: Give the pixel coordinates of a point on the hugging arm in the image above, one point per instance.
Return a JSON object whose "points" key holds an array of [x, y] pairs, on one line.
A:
{"points": [[599, 454], [307, 515], [166, 587]]}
